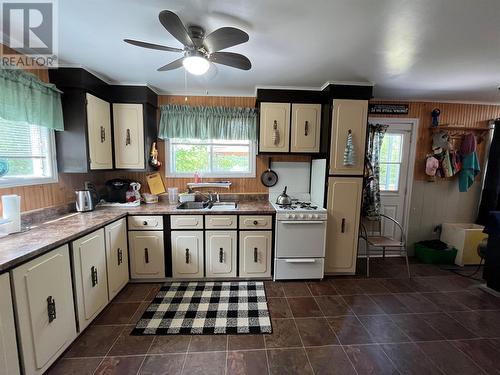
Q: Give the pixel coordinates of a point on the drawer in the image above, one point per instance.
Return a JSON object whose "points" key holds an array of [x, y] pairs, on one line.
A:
{"points": [[145, 222], [221, 221], [186, 221], [298, 268], [256, 222]]}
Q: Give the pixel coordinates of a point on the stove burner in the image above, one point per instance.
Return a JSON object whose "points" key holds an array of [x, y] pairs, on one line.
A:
{"points": [[287, 207]]}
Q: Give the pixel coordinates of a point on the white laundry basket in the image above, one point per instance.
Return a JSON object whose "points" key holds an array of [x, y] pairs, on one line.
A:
{"points": [[465, 237]]}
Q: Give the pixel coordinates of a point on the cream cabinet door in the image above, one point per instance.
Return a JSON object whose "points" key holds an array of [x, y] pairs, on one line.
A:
{"points": [[255, 253], [43, 297], [128, 126], [116, 256], [90, 276], [9, 358], [187, 254], [274, 127], [306, 127], [348, 116], [147, 255], [344, 209], [99, 133], [221, 253]]}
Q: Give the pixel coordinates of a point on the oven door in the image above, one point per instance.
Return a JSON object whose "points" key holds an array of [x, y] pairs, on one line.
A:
{"points": [[299, 239]]}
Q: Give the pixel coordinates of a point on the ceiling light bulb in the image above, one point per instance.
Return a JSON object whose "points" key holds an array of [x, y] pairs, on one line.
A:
{"points": [[196, 65]]}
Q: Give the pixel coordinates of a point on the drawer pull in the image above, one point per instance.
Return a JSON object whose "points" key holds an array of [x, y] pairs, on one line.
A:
{"points": [[127, 138], [103, 134], [93, 273], [187, 256], [342, 225], [146, 255], [255, 222], [120, 256], [221, 255], [300, 260], [144, 222], [51, 309], [306, 128], [255, 255]]}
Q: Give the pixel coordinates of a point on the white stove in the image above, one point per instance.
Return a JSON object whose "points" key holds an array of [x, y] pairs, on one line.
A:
{"points": [[300, 210]]}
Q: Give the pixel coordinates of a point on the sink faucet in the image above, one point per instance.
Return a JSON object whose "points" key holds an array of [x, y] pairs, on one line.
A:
{"points": [[211, 197]]}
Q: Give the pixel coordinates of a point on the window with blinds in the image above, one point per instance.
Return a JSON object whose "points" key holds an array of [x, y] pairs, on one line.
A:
{"points": [[27, 154]]}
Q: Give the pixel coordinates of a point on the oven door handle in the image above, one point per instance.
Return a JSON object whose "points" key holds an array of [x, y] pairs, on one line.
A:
{"points": [[300, 260], [303, 222]]}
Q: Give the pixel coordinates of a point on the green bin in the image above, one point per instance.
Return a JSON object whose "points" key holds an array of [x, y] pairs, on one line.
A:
{"points": [[427, 253]]}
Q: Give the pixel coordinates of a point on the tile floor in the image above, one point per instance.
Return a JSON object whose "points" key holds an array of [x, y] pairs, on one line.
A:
{"points": [[435, 323]]}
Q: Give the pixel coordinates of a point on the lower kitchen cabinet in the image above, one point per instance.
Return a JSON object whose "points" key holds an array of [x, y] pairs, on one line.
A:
{"points": [[344, 208], [116, 256], [43, 297], [187, 254], [9, 359], [255, 253], [221, 253], [147, 254], [90, 276]]}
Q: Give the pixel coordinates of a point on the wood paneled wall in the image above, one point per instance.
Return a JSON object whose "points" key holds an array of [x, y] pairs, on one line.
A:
{"points": [[470, 115]]}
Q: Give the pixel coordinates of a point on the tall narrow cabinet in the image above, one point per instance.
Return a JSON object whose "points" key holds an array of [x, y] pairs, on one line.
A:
{"points": [[9, 360]]}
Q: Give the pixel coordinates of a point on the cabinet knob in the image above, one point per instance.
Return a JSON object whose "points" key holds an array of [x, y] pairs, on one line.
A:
{"points": [[51, 309], [187, 256], [255, 255], [144, 222], [255, 222], [146, 255]]}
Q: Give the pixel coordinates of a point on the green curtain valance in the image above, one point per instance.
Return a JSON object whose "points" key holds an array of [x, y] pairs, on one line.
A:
{"points": [[24, 99], [227, 123]]}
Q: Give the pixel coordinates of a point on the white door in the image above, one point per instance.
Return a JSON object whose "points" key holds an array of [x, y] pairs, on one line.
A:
{"points": [[306, 121], [128, 126], [9, 359], [255, 253], [147, 255], [221, 253], [99, 133], [274, 127], [395, 173], [187, 253], [89, 259], [45, 311], [116, 256]]}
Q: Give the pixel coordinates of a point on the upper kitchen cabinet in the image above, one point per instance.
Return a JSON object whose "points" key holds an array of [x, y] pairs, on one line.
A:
{"points": [[87, 142], [128, 136], [348, 117], [274, 134], [306, 121]]}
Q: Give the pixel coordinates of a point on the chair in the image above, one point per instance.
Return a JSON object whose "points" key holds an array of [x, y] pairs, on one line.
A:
{"points": [[374, 238]]}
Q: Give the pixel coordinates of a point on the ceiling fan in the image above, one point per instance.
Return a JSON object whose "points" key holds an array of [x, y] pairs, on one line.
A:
{"points": [[199, 49]]}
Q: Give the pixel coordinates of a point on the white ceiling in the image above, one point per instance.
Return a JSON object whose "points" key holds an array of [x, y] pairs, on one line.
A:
{"points": [[414, 49]]}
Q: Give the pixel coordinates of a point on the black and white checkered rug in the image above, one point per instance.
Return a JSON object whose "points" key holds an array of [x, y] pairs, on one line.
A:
{"points": [[207, 308]]}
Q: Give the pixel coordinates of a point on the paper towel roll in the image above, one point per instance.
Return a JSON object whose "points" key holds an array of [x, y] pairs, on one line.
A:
{"points": [[11, 206]]}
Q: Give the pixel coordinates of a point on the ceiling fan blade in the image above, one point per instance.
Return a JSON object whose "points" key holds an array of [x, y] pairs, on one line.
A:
{"points": [[234, 60], [174, 26], [171, 66], [223, 38], [152, 45]]}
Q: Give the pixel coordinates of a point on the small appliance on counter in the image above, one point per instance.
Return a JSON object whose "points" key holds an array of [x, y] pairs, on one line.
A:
{"points": [[11, 207], [117, 190], [86, 199]]}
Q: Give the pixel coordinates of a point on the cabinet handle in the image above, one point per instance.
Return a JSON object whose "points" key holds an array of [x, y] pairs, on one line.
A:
{"points": [[187, 256], [255, 255], [120, 256], [342, 226], [103, 134], [306, 128], [144, 222], [127, 138], [276, 133], [146, 255], [255, 222], [93, 272], [221, 255], [51, 309]]}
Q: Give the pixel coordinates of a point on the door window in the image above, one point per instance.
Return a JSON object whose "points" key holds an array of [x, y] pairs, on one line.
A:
{"points": [[390, 162]]}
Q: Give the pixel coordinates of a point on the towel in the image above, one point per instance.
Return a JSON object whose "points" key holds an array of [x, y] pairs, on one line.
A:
{"points": [[470, 169]]}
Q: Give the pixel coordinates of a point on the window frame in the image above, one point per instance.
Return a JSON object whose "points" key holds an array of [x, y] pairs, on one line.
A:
{"points": [[10, 182], [169, 172]]}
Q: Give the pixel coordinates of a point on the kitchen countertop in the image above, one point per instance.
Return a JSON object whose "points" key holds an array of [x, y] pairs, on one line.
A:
{"points": [[21, 247]]}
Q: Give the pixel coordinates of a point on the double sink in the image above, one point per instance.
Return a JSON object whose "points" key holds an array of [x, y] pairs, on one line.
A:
{"points": [[209, 206]]}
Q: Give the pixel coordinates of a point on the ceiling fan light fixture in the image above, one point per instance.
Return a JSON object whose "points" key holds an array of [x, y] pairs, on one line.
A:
{"points": [[196, 65]]}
